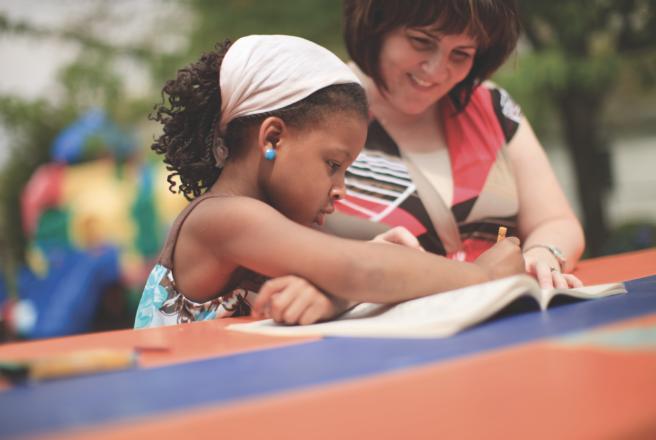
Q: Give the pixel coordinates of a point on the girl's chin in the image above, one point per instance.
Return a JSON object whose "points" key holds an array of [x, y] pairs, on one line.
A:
{"points": [[319, 220]]}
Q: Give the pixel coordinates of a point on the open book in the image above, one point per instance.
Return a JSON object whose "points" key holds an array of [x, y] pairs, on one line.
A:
{"points": [[439, 315]]}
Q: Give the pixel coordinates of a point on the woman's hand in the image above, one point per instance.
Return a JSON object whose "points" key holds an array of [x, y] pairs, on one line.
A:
{"points": [[546, 269], [503, 259], [399, 235], [293, 300]]}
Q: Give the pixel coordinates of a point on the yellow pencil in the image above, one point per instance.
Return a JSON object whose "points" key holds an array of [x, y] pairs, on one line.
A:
{"points": [[502, 233]]}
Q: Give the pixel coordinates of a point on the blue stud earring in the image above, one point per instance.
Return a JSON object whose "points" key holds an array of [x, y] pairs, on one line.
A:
{"points": [[270, 154]]}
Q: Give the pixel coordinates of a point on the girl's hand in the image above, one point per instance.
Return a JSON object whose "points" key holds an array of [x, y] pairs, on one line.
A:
{"points": [[399, 235], [545, 268], [503, 259], [293, 300]]}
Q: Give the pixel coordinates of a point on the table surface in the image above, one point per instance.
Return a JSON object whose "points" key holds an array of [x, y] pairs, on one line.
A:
{"points": [[584, 369]]}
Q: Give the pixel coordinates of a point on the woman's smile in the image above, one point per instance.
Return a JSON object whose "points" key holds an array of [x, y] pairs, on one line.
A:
{"points": [[420, 83]]}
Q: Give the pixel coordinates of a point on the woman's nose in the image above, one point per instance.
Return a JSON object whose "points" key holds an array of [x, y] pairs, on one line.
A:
{"points": [[436, 67]]}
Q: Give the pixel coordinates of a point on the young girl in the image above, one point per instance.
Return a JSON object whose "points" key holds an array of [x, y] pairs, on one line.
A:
{"points": [[260, 134]]}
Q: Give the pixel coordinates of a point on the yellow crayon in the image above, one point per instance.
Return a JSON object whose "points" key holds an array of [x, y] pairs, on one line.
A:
{"points": [[70, 364], [81, 362], [502, 233]]}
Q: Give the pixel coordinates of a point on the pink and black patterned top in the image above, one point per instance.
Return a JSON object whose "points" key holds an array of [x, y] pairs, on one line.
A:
{"points": [[483, 190]]}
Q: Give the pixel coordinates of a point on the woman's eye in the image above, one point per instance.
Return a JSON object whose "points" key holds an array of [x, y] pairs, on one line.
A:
{"points": [[461, 56], [421, 42]]}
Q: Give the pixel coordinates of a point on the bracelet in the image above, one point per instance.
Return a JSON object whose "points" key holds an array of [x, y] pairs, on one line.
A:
{"points": [[557, 253]]}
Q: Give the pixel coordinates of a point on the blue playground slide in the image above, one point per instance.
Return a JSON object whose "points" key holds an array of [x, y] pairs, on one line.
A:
{"points": [[67, 297]]}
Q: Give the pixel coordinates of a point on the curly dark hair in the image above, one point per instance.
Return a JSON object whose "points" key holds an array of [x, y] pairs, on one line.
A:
{"points": [[190, 112]]}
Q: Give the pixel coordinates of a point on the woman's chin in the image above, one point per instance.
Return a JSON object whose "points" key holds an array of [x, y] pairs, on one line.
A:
{"points": [[413, 107]]}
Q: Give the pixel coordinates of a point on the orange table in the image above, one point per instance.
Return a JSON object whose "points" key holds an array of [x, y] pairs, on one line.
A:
{"points": [[595, 383]]}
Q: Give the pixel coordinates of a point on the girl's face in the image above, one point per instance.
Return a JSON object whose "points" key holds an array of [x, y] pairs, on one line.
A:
{"points": [[307, 175], [421, 65]]}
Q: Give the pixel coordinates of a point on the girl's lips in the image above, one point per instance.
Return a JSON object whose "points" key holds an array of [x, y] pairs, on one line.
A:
{"points": [[321, 216]]}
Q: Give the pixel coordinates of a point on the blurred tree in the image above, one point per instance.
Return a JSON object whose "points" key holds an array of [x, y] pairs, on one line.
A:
{"points": [[316, 20], [213, 21], [577, 50]]}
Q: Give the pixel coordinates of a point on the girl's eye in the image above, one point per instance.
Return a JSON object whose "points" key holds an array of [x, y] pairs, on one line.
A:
{"points": [[334, 166]]}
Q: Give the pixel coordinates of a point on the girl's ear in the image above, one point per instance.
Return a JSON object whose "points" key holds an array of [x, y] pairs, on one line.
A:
{"points": [[272, 131]]}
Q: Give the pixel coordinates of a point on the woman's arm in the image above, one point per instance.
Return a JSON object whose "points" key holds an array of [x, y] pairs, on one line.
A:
{"points": [[545, 216], [252, 234]]}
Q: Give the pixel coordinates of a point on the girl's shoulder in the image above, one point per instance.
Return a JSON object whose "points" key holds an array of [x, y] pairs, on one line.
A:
{"points": [[231, 206], [227, 215]]}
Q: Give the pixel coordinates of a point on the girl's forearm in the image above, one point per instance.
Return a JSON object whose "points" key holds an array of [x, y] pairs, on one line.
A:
{"points": [[386, 273]]}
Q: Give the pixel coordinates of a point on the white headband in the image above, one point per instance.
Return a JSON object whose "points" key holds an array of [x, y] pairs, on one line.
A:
{"points": [[261, 73]]}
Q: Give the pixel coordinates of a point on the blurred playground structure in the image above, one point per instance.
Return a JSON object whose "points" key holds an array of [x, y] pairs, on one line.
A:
{"points": [[94, 217]]}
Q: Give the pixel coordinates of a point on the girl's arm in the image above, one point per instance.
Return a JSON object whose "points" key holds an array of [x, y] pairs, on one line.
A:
{"points": [[349, 226], [545, 216], [294, 300], [249, 233]]}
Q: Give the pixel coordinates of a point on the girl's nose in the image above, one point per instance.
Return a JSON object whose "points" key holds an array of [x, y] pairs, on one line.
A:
{"points": [[337, 192]]}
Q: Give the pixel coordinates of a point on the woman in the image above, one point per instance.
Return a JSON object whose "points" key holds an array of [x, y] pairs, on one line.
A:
{"points": [[448, 156]]}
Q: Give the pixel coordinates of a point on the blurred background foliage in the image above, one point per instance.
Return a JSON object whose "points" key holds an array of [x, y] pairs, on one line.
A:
{"points": [[213, 21], [578, 53], [585, 71]]}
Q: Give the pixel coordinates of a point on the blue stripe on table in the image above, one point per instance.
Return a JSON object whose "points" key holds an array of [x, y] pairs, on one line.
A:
{"points": [[56, 406]]}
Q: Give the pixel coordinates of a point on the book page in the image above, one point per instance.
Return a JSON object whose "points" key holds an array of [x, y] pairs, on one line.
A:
{"points": [[437, 315], [585, 292]]}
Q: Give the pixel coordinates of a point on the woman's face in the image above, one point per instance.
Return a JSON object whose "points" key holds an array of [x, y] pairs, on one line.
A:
{"points": [[420, 66]]}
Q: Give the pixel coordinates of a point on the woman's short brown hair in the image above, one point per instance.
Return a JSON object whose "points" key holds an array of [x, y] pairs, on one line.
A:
{"points": [[494, 24]]}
